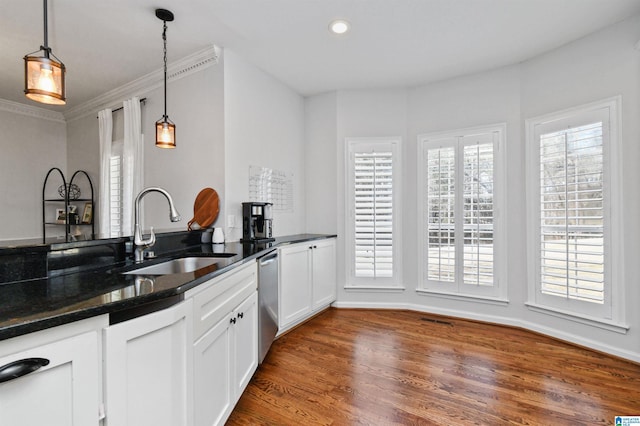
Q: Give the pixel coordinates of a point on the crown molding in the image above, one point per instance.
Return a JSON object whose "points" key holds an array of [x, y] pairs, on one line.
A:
{"points": [[138, 87], [31, 111]]}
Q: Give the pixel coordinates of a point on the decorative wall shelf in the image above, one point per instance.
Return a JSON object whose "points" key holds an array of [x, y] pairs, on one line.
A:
{"points": [[69, 219]]}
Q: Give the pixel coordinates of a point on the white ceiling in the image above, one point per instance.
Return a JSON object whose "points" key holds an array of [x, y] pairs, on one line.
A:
{"points": [[107, 43]]}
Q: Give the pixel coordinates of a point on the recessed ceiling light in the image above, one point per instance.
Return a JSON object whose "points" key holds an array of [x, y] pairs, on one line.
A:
{"points": [[339, 26]]}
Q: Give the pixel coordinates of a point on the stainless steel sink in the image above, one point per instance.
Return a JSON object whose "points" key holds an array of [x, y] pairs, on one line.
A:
{"points": [[175, 266]]}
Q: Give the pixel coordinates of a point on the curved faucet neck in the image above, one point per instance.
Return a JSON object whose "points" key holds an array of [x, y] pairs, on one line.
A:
{"points": [[174, 216]]}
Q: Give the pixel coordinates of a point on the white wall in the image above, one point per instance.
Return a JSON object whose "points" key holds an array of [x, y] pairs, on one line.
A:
{"points": [[83, 147], [29, 147], [321, 167], [264, 126], [602, 65], [195, 105], [83, 154], [365, 113], [599, 66], [480, 99]]}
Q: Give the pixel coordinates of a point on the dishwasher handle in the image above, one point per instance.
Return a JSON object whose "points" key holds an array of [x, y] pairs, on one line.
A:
{"points": [[265, 260]]}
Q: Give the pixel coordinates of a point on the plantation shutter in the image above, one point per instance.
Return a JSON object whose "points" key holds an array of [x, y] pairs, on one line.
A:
{"points": [[572, 249], [373, 213], [372, 220], [441, 200], [115, 196], [464, 232], [478, 211], [457, 192]]}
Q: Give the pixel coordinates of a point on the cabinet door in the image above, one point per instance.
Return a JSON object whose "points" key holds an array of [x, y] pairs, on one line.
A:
{"points": [[324, 273], [245, 334], [65, 392], [213, 400], [295, 283], [148, 369]]}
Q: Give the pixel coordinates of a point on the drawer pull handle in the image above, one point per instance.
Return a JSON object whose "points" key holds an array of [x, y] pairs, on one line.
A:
{"points": [[240, 314], [21, 368], [232, 321]]}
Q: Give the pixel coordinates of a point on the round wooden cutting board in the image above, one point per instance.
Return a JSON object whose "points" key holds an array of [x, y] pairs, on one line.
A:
{"points": [[205, 208]]}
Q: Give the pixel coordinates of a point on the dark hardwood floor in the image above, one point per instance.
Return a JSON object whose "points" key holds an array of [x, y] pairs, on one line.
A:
{"points": [[372, 367]]}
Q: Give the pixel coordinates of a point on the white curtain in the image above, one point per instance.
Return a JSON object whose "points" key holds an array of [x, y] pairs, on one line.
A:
{"points": [[105, 128], [132, 161]]}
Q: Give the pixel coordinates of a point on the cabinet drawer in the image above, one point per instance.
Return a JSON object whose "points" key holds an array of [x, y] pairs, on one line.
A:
{"points": [[216, 298]]}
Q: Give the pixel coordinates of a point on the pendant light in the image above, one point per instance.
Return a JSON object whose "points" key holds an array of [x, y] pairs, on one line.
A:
{"points": [[165, 129], [43, 76]]}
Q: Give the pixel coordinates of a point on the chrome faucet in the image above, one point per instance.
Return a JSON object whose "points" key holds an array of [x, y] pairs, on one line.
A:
{"points": [[139, 242]]}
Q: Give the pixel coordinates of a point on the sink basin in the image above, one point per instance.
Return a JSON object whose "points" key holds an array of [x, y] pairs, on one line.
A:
{"points": [[175, 266]]}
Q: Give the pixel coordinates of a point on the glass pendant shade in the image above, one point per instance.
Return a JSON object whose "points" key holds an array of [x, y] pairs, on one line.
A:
{"points": [[43, 76], [44, 80], [165, 133]]}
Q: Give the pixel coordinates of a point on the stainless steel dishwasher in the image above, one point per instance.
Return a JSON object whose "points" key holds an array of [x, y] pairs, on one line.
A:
{"points": [[267, 301]]}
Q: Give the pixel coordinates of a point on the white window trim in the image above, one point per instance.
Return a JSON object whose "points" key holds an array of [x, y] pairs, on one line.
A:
{"points": [[498, 292], [612, 313], [395, 283]]}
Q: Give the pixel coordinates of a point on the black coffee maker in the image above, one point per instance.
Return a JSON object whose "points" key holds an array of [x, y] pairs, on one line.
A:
{"points": [[257, 222]]}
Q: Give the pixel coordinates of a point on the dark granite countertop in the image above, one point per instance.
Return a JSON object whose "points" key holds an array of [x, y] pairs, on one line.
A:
{"points": [[82, 292]]}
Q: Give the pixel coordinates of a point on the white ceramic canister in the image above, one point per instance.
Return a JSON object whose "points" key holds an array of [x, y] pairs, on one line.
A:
{"points": [[218, 236]]}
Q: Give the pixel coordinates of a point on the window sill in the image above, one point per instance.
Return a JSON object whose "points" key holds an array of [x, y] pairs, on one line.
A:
{"points": [[582, 319], [382, 289], [465, 297]]}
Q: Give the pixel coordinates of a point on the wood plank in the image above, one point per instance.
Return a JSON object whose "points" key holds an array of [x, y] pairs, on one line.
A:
{"points": [[379, 367]]}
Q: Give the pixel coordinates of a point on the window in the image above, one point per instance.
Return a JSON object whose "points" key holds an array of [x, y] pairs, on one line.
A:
{"points": [[572, 213], [121, 169], [373, 221], [571, 189], [459, 192]]}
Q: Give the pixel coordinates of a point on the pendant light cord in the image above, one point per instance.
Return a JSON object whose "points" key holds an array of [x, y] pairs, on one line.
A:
{"points": [[164, 40], [165, 129], [46, 48]]}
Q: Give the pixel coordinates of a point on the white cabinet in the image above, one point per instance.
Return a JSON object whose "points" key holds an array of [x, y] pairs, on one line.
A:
{"points": [[323, 273], [307, 280], [64, 392], [245, 344], [212, 356], [225, 348], [295, 283], [148, 369]]}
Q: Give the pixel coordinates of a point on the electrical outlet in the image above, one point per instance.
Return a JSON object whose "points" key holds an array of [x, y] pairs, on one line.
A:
{"points": [[231, 221]]}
